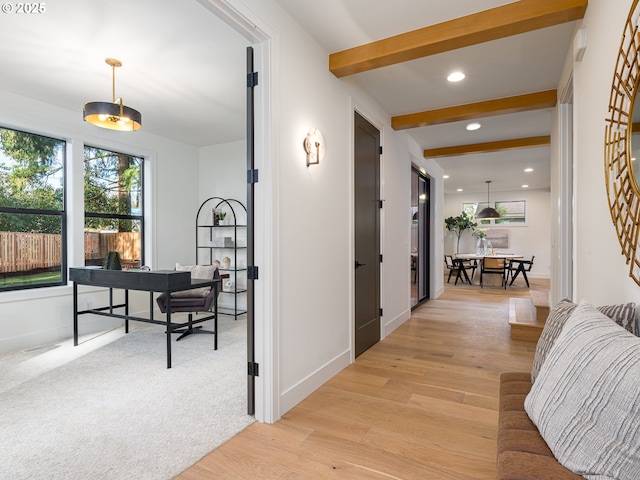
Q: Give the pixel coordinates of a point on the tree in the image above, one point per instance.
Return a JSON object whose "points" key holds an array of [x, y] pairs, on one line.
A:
{"points": [[30, 177], [458, 225], [112, 186]]}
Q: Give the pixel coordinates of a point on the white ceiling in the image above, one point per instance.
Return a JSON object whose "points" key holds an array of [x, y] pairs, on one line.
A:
{"points": [[516, 65], [184, 70]]}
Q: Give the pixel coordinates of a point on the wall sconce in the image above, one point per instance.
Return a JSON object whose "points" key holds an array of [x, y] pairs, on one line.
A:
{"points": [[314, 146]]}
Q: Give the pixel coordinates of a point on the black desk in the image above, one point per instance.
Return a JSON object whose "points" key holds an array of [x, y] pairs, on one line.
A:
{"points": [[160, 281]]}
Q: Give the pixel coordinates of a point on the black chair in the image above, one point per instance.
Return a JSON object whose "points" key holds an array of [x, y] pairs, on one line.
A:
{"points": [[414, 267], [460, 267], [518, 266], [191, 305], [494, 266]]}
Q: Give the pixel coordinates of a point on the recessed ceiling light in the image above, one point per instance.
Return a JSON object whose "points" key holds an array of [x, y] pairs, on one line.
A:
{"points": [[473, 126], [455, 76], [525, 186], [445, 176], [460, 190], [528, 170]]}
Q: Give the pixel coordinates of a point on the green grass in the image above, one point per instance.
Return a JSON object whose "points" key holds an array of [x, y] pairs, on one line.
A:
{"points": [[31, 279]]}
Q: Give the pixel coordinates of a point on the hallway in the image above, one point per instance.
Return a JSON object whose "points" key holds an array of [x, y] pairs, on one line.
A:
{"points": [[421, 404]]}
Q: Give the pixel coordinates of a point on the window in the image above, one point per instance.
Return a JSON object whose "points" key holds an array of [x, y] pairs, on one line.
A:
{"points": [[471, 208], [511, 212], [32, 211], [113, 194], [514, 212]]}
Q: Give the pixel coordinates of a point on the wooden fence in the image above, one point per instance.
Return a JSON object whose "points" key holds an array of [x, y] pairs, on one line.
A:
{"points": [[96, 245], [22, 252]]}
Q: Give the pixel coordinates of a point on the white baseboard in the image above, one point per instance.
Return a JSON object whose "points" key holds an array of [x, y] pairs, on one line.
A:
{"points": [[396, 322], [57, 334], [294, 395], [87, 324]]}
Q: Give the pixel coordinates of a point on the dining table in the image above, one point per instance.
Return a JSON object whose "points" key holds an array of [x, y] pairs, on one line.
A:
{"points": [[463, 257], [471, 256]]}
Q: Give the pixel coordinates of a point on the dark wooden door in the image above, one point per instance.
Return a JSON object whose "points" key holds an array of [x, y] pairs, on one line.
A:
{"points": [[367, 234]]}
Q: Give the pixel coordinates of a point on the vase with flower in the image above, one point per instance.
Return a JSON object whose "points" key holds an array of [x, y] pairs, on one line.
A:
{"points": [[481, 242]]}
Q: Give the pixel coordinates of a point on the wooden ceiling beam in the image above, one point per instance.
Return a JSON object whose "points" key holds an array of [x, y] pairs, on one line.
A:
{"points": [[499, 146], [500, 22], [472, 111]]}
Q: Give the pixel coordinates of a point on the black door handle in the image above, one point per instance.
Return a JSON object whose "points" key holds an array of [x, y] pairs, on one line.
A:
{"points": [[358, 264]]}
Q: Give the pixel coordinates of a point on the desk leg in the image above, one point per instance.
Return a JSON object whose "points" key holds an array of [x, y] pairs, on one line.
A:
{"points": [[215, 320], [75, 314], [126, 311], [168, 330]]}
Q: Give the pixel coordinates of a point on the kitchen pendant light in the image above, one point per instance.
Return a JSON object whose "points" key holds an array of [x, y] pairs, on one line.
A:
{"points": [[112, 115], [488, 213]]}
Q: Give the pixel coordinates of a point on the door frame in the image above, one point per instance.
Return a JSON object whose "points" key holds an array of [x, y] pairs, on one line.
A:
{"points": [[354, 108], [261, 36], [564, 228], [425, 230]]}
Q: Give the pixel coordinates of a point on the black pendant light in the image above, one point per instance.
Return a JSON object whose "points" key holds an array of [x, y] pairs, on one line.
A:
{"points": [[488, 213], [112, 115]]}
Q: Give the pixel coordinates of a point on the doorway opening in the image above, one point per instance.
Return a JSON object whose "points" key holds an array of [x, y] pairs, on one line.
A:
{"points": [[420, 235], [564, 228]]}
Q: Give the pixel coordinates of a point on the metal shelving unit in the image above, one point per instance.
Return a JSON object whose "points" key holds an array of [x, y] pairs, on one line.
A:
{"points": [[217, 239]]}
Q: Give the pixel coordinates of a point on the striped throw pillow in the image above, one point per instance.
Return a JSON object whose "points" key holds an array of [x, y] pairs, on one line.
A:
{"points": [[623, 314], [586, 400]]}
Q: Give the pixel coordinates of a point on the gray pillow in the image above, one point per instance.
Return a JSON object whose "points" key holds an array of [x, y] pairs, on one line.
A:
{"points": [[623, 314], [585, 401], [204, 272]]}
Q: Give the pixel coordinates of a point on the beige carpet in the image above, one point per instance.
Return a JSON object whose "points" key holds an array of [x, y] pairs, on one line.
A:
{"points": [[117, 412]]}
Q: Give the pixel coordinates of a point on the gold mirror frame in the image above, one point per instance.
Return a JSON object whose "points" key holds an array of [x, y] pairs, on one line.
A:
{"points": [[622, 189]]}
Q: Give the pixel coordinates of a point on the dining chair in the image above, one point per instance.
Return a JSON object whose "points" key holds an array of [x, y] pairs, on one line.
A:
{"points": [[460, 267], [518, 266], [414, 267], [494, 266]]}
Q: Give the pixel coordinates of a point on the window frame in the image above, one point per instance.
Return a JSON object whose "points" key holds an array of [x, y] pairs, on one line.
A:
{"points": [[62, 213], [466, 207], [120, 216]]}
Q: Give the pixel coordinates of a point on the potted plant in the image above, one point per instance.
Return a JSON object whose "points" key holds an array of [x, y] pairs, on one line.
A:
{"points": [[218, 216], [458, 225]]}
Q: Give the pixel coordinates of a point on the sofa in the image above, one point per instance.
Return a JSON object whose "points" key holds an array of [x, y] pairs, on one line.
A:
{"points": [[575, 414], [522, 452]]}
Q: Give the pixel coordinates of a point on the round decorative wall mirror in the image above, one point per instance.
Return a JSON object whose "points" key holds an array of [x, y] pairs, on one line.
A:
{"points": [[621, 176]]}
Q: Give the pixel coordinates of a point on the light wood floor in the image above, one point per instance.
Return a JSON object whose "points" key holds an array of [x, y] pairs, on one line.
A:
{"points": [[421, 404]]}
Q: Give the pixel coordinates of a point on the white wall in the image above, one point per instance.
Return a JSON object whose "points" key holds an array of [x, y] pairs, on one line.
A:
{"points": [[601, 275], [534, 238], [222, 171], [45, 315]]}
